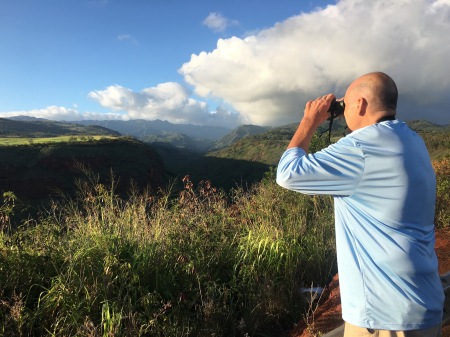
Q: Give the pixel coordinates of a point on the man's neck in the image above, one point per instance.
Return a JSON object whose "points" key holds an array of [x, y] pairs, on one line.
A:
{"points": [[378, 116]]}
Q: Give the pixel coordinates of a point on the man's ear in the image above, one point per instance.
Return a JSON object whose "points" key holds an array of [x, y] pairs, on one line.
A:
{"points": [[361, 106]]}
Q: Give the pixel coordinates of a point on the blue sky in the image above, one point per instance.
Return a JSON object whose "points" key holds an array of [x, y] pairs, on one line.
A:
{"points": [[216, 62]]}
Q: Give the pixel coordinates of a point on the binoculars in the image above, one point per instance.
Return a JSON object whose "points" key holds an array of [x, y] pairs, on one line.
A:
{"points": [[336, 109]]}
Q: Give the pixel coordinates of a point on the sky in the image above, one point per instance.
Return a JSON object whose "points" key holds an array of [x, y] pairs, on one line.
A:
{"points": [[216, 62]]}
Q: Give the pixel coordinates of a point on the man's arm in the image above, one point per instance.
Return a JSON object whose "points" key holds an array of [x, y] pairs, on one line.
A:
{"points": [[315, 113], [335, 171]]}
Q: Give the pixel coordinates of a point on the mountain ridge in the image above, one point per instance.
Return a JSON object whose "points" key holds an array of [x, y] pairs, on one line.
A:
{"points": [[34, 128]]}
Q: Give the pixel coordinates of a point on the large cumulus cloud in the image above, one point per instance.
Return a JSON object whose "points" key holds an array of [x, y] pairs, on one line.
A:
{"points": [[269, 76]]}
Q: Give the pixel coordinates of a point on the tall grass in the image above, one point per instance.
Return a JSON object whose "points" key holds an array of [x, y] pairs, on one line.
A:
{"points": [[193, 263], [187, 261]]}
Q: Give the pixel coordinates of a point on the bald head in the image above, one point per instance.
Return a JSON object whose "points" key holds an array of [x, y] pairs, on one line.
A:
{"points": [[379, 90], [369, 99]]}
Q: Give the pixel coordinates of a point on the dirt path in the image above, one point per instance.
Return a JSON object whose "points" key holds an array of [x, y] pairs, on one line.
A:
{"points": [[327, 316]]}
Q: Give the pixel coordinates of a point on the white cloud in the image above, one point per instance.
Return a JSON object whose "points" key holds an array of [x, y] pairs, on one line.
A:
{"points": [[440, 3], [58, 113], [167, 101], [51, 112], [217, 22], [127, 37], [268, 77]]}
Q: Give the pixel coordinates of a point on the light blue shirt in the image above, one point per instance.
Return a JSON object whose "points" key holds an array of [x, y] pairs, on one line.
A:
{"points": [[384, 190]]}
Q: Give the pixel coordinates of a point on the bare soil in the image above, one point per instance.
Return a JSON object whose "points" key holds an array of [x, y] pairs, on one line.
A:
{"points": [[327, 316]]}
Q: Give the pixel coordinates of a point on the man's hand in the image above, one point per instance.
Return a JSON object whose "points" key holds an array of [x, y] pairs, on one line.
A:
{"points": [[315, 113]]}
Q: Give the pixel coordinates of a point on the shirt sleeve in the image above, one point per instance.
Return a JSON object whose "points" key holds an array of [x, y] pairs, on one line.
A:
{"points": [[335, 170]]}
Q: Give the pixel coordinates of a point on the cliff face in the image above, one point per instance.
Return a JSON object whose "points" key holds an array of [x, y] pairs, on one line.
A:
{"points": [[35, 172]]}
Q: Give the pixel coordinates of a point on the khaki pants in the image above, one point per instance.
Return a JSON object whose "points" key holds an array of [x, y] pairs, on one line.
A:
{"points": [[355, 331]]}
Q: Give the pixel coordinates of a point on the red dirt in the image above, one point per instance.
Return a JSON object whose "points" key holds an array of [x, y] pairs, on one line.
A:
{"points": [[328, 314]]}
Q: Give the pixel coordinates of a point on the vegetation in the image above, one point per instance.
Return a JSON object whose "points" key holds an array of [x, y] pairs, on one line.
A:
{"points": [[13, 141], [157, 265], [265, 147], [438, 144], [442, 169], [41, 170], [189, 261]]}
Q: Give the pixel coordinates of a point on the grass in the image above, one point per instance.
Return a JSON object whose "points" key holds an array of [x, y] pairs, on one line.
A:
{"points": [[189, 264], [11, 141]]}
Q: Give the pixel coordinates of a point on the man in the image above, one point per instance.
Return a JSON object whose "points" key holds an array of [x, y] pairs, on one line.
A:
{"points": [[384, 191]]}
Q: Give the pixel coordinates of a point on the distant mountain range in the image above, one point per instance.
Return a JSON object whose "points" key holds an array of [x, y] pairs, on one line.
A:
{"points": [[239, 133], [195, 138], [182, 148], [183, 136]]}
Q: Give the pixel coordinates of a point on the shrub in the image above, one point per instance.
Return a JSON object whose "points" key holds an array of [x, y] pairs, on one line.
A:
{"points": [[442, 169]]}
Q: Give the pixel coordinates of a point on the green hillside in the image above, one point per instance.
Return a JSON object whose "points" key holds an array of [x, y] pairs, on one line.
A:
{"points": [[179, 141], [425, 126], [36, 171], [13, 141], [35, 128], [264, 148], [267, 147], [239, 133]]}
